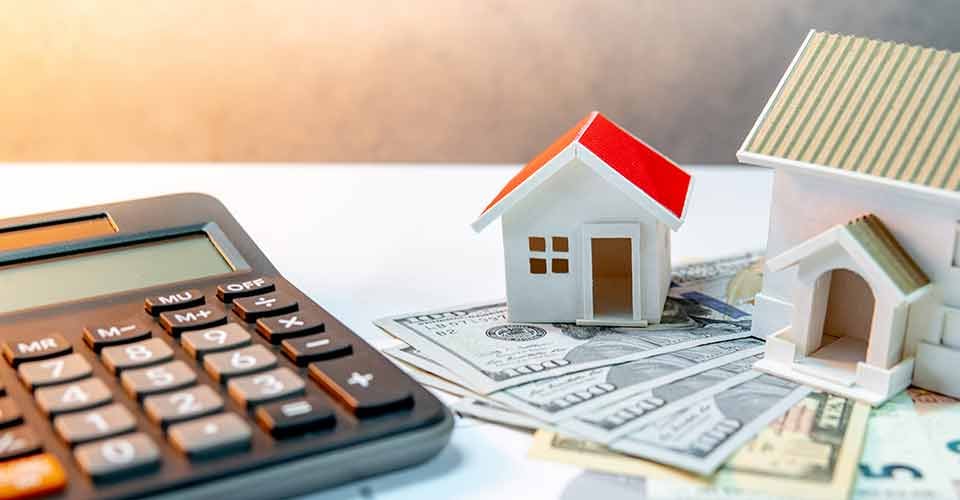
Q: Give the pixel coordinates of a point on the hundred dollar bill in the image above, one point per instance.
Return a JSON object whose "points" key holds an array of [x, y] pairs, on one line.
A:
{"points": [[489, 354], [735, 279], [579, 393], [940, 418], [415, 358], [700, 437], [490, 411], [615, 420]]}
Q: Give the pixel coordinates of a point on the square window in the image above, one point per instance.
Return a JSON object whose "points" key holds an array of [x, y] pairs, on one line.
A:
{"points": [[537, 244], [538, 266], [560, 266], [561, 244]]}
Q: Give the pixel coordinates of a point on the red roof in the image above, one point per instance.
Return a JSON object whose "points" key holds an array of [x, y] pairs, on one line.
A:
{"points": [[654, 174]]}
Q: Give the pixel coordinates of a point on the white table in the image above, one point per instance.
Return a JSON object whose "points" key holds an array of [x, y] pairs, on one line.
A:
{"points": [[367, 241]]}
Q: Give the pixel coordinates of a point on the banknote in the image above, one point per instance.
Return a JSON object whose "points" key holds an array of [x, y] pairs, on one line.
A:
{"points": [[489, 354], [612, 421], [735, 279], [486, 410], [940, 418], [700, 437], [898, 460], [564, 396], [413, 357]]}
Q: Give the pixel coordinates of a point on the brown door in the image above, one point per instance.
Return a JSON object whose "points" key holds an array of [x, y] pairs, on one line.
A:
{"points": [[612, 278]]}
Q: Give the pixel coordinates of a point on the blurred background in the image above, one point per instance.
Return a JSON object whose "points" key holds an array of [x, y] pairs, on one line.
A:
{"points": [[407, 81]]}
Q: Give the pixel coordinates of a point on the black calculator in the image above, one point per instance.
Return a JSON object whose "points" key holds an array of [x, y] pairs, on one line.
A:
{"points": [[151, 349]]}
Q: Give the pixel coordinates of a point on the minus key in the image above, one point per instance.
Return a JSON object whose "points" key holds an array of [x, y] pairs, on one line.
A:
{"points": [[303, 350]]}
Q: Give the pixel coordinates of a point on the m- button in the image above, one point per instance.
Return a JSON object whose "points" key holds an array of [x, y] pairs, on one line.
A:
{"points": [[183, 299], [229, 291], [177, 322], [17, 351], [99, 336]]}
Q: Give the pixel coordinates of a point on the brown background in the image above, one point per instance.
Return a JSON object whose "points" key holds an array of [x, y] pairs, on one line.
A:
{"points": [[422, 80]]}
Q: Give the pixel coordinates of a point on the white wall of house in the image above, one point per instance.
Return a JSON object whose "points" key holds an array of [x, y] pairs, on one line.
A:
{"points": [[559, 207], [804, 205]]}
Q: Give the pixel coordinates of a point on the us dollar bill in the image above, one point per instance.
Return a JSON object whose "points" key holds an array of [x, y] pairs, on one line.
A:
{"points": [[622, 417], [579, 393], [490, 354], [940, 418], [700, 437], [490, 411]]}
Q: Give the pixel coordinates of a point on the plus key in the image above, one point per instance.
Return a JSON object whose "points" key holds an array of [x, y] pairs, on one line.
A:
{"points": [[375, 388]]}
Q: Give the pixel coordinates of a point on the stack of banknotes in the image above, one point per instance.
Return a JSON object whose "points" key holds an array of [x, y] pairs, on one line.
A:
{"points": [[678, 403]]}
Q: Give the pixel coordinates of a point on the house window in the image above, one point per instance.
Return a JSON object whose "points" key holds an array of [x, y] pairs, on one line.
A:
{"points": [[558, 254]]}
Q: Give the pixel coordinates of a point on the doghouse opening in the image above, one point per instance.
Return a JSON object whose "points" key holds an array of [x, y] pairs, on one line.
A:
{"points": [[847, 320]]}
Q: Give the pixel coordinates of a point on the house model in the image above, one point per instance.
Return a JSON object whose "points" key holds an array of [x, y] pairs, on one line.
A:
{"points": [[586, 228], [861, 294]]}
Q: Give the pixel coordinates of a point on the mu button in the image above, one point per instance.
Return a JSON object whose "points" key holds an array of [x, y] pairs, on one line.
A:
{"points": [[17, 351], [177, 322], [183, 299], [367, 386]]}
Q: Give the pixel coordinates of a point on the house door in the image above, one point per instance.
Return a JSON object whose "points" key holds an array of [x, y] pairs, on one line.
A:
{"points": [[612, 273], [848, 307]]}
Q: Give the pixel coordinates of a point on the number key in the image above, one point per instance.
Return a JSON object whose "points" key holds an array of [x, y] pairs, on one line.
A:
{"points": [[224, 338], [9, 412], [54, 371], [223, 365], [122, 455], [154, 379], [72, 397], [17, 441], [261, 387], [182, 405], [143, 353], [107, 421]]}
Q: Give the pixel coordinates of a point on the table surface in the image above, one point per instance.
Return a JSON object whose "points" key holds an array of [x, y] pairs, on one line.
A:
{"points": [[368, 241]]}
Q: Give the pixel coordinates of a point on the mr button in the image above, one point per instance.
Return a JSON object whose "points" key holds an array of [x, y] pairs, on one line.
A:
{"points": [[47, 346], [367, 387]]}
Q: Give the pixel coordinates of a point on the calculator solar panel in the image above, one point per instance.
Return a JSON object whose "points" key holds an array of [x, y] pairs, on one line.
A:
{"points": [[150, 349]]}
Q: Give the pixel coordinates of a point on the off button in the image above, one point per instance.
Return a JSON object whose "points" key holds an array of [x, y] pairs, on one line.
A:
{"points": [[229, 291]]}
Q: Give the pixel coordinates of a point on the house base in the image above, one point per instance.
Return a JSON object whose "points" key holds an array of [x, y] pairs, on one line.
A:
{"points": [[867, 383], [639, 323]]}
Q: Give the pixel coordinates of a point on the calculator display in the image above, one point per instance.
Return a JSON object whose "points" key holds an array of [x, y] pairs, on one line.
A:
{"points": [[101, 272]]}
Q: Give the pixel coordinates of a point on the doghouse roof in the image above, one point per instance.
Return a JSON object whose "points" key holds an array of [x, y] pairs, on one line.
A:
{"points": [[866, 109], [645, 175]]}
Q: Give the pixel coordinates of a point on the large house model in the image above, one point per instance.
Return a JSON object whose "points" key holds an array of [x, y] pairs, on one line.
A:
{"points": [[586, 228], [861, 294]]}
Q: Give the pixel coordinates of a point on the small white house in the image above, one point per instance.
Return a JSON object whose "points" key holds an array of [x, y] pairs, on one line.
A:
{"points": [[586, 228], [861, 294]]}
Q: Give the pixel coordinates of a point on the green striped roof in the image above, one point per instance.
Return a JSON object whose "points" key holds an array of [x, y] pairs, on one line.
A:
{"points": [[886, 251], [878, 108]]}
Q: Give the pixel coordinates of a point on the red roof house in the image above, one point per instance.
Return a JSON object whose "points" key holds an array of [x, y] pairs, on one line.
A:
{"points": [[586, 228]]}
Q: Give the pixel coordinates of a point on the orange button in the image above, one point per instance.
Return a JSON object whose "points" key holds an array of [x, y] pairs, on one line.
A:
{"points": [[31, 476]]}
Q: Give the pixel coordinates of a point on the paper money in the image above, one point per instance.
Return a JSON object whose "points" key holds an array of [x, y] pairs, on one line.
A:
{"points": [[613, 421], [565, 396], [413, 357], [485, 410], [490, 354], [701, 436], [940, 418]]}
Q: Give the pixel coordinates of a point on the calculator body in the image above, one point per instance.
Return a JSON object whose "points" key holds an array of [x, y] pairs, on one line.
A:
{"points": [[353, 441]]}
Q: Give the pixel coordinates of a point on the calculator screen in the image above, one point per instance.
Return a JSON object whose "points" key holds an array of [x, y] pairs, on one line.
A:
{"points": [[99, 272]]}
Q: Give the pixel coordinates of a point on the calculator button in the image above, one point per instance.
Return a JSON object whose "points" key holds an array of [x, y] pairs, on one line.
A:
{"points": [[157, 304], [223, 365], [198, 318], [118, 457], [99, 336], [314, 348], [182, 405], [54, 370], [47, 346], [251, 308], [99, 423], [222, 433], [295, 324], [229, 291], [367, 388], [295, 416], [201, 342], [17, 441], [9, 413], [266, 386], [31, 477], [168, 376], [143, 353], [74, 396]]}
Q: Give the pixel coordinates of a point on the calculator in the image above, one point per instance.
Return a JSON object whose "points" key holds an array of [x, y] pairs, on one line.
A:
{"points": [[150, 349]]}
